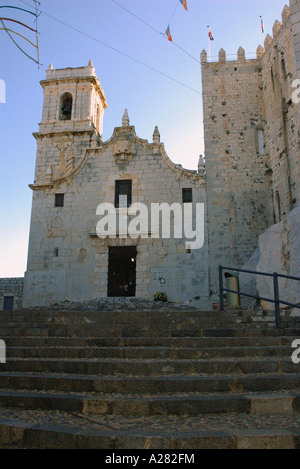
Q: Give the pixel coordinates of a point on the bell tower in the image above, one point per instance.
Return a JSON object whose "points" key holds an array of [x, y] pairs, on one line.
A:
{"points": [[73, 110]]}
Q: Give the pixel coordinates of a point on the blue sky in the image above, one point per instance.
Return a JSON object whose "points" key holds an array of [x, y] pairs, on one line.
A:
{"points": [[150, 97]]}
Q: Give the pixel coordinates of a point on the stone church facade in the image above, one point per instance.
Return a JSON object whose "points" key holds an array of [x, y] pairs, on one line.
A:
{"points": [[75, 172], [249, 184]]}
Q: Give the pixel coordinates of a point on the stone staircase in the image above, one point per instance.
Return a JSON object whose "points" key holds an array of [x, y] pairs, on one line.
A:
{"points": [[160, 379]]}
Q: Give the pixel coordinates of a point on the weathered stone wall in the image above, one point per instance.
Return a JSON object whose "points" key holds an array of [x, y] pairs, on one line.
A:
{"points": [[252, 142], [12, 287], [278, 251], [295, 20], [237, 171], [67, 260], [282, 130]]}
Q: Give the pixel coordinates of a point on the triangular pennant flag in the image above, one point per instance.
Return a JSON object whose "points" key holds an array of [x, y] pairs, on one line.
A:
{"points": [[184, 4], [210, 34], [168, 33], [262, 25]]}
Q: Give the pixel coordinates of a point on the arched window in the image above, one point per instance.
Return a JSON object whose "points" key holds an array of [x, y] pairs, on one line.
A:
{"points": [[65, 109]]}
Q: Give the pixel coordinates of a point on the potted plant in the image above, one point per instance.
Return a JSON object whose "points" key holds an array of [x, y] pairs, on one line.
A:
{"points": [[160, 296]]}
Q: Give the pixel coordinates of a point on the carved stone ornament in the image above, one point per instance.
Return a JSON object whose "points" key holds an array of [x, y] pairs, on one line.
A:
{"points": [[81, 254], [124, 150]]}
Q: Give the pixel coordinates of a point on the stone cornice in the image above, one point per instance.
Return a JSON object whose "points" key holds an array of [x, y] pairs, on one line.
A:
{"points": [[61, 133]]}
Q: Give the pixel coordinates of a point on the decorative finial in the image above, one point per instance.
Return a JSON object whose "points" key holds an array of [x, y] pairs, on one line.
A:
{"points": [[51, 66], [90, 63], [201, 165], [125, 119], [156, 135]]}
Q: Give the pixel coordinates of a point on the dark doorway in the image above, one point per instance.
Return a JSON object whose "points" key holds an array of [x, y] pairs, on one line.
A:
{"points": [[122, 271], [8, 304]]}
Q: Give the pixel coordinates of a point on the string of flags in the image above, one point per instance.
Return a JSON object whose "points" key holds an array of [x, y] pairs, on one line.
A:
{"points": [[9, 31], [168, 31], [184, 4]]}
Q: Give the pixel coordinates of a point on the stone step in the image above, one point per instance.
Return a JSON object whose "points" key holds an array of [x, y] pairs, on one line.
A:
{"points": [[170, 342], [161, 321], [113, 366], [234, 382], [41, 429], [92, 331], [137, 312], [184, 404], [191, 353]]}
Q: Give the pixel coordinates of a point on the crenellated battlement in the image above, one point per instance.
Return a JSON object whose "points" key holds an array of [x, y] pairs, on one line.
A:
{"points": [[240, 57]]}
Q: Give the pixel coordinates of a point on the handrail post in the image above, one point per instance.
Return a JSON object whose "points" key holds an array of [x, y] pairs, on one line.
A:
{"points": [[276, 299], [221, 288]]}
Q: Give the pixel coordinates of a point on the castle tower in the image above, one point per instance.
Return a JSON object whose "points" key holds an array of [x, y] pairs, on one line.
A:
{"points": [[238, 180]]}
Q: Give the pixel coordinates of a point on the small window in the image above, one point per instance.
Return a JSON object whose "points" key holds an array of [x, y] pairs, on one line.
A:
{"points": [[278, 203], [187, 196], [56, 251], [8, 304], [65, 111], [59, 200], [283, 67], [123, 188], [261, 142]]}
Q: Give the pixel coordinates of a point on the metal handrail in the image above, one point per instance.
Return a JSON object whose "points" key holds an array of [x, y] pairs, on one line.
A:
{"points": [[276, 300]]}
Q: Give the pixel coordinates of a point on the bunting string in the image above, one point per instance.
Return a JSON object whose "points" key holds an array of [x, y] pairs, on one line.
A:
{"points": [[10, 30], [16, 44], [17, 8], [15, 21]]}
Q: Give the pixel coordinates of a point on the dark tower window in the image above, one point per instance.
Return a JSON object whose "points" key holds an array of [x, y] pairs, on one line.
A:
{"points": [[187, 196], [123, 188], [59, 200], [65, 111]]}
